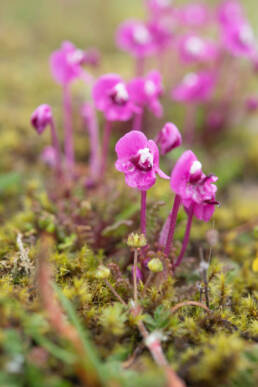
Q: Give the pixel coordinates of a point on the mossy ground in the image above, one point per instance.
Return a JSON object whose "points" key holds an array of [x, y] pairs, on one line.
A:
{"points": [[91, 227]]}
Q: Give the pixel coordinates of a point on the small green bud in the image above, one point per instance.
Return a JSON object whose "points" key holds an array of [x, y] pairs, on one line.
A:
{"points": [[136, 240], [155, 265], [102, 272], [256, 232]]}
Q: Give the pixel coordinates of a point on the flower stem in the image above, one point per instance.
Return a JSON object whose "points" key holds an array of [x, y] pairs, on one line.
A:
{"points": [[68, 140], [143, 212], [137, 122], [172, 226], [92, 125], [140, 64], [190, 122], [135, 294], [56, 146], [186, 238], [105, 146]]}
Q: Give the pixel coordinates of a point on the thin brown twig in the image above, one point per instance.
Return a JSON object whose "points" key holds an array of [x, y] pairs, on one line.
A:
{"points": [[190, 303], [112, 289]]}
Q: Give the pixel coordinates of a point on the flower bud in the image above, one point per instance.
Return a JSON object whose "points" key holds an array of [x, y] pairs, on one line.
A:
{"points": [[136, 240], [102, 272], [169, 138], [41, 118], [155, 265]]}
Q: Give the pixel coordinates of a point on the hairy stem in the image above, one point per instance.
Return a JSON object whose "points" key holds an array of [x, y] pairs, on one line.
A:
{"points": [[105, 145], [172, 225], [186, 238], [143, 212], [137, 121], [56, 146], [68, 137]]}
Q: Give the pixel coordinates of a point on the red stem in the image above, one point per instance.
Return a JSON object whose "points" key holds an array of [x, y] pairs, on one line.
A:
{"points": [[143, 212], [105, 146], [172, 226], [137, 122], [186, 238], [68, 140]]}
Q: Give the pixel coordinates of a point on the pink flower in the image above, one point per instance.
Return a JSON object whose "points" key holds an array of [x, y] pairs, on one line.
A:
{"points": [[66, 62], [111, 96], [159, 7], [146, 91], [230, 12], [196, 190], [41, 118], [161, 34], [193, 48], [195, 87], [239, 39], [193, 15], [138, 159], [169, 138], [136, 38]]}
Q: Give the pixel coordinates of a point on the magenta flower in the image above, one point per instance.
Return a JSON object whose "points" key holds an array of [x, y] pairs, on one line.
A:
{"points": [[135, 37], [239, 39], [41, 118], [195, 87], [230, 12], [194, 15], [159, 7], [66, 62], [196, 190], [111, 96], [193, 48], [161, 34], [169, 138], [138, 159], [146, 91]]}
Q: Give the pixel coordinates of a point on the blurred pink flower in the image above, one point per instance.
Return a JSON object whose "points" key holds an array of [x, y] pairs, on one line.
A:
{"points": [[230, 12], [135, 37], [169, 138], [138, 159], [41, 118], [193, 15], [146, 91], [111, 96], [161, 34], [239, 39], [195, 87], [193, 48], [159, 7], [66, 62], [196, 190]]}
